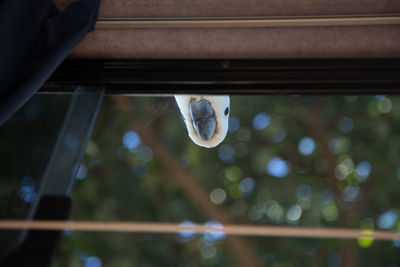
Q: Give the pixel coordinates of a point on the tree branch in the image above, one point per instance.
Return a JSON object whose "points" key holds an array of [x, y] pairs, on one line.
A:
{"points": [[316, 125]]}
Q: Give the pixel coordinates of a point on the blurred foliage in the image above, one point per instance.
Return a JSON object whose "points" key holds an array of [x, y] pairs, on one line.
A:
{"points": [[317, 161], [123, 184]]}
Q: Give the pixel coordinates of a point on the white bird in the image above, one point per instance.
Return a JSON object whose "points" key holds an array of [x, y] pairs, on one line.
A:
{"points": [[206, 117]]}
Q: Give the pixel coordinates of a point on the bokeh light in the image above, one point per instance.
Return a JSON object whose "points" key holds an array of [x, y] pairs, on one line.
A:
{"points": [[363, 170], [304, 191], [146, 154], [68, 232], [294, 213], [186, 235], [277, 167], [274, 211], [92, 262], [139, 170], [379, 97], [92, 148], [329, 211], [214, 235], [365, 242], [304, 203], [326, 197], [226, 153], [346, 124], [218, 196], [246, 186], [256, 212], [384, 105], [28, 180], [234, 124], [71, 140], [131, 140], [234, 191], [208, 251], [387, 219], [261, 121], [82, 172], [233, 173], [27, 192], [279, 135], [338, 145], [344, 169], [351, 192], [306, 146]]}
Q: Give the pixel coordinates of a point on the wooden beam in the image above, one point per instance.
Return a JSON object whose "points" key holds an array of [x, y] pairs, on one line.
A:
{"points": [[247, 22]]}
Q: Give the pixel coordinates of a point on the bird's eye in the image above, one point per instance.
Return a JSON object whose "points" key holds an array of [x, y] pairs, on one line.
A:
{"points": [[226, 111]]}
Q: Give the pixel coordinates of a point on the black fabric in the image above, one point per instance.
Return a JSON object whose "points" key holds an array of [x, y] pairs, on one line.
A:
{"points": [[34, 39]]}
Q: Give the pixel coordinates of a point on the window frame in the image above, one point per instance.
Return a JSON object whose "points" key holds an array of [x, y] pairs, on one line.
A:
{"points": [[231, 76]]}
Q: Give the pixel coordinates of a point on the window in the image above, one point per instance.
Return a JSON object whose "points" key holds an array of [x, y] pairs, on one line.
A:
{"points": [[296, 160]]}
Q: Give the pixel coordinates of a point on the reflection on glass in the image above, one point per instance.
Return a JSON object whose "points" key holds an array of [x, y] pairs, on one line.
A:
{"points": [[27, 141]]}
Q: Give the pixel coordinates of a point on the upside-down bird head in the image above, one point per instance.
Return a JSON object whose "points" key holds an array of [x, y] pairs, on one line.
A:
{"points": [[206, 118]]}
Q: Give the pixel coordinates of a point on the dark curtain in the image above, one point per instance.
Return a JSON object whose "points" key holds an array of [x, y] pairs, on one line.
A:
{"points": [[34, 39]]}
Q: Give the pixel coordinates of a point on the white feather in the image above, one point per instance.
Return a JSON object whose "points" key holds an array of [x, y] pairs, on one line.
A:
{"points": [[219, 105]]}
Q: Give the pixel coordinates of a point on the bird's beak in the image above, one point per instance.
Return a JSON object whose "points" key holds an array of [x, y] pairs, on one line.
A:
{"points": [[203, 118]]}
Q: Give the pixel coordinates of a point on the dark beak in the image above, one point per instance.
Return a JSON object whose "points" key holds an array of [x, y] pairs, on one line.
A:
{"points": [[203, 119]]}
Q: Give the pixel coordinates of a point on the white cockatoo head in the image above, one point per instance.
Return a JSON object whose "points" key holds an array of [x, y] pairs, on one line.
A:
{"points": [[206, 117]]}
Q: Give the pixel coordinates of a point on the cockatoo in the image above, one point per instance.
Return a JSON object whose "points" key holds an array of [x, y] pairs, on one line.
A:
{"points": [[206, 117]]}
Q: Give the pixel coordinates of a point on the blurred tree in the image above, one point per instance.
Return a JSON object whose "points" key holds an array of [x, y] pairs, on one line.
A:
{"points": [[314, 161]]}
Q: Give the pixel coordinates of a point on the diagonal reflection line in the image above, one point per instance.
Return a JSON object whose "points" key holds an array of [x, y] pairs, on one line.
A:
{"points": [[245, 230], [247, 22]]}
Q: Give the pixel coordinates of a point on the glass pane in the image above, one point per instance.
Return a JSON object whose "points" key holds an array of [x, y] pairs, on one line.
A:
{"points": [[315, 161], [42, 145], [27, 142]]}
